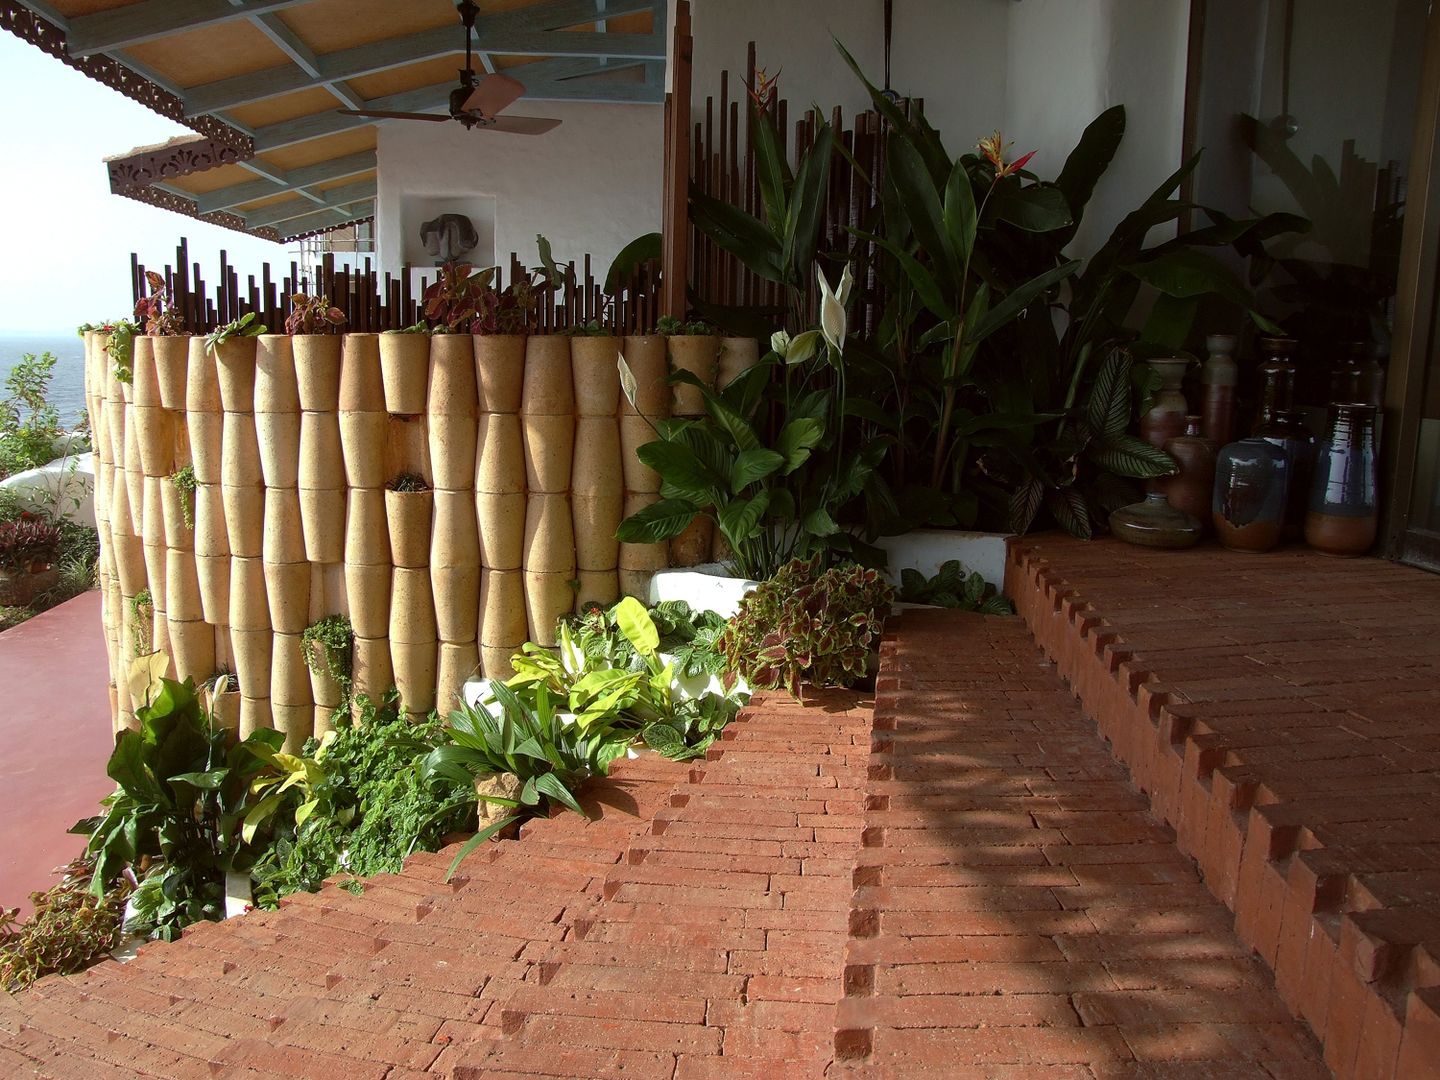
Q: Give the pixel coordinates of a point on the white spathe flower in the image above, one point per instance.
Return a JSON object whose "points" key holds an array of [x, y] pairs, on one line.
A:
{"points": [[833, 320], [780, 342]]}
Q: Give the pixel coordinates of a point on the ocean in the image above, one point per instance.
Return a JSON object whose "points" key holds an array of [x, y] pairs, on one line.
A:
{"points": [[67, 387]]}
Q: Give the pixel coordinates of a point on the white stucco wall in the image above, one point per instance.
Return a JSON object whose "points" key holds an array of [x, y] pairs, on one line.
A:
{"points": [[591, 186]]}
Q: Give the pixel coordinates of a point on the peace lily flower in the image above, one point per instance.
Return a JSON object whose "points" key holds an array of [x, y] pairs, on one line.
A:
{"points": [[992, 148], [833, 320], [780, 342]]}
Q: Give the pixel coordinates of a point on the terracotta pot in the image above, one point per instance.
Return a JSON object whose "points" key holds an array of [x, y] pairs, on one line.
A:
{"points": [[456, 591], [367, 532], [155, 569], [407, 447], [174, 503], [119, 513], [692, 547], [412, 607], [597, 493], [699, 355], [502, 608], [452, 390], [115, 425], [363, 436], [250, 650], [324, 721], [154, 438], [595, 518], [278, 435], [360, 381], [495, 660], [325, 689], [372, 674], [322, 521], [645, 355], [212, 576], [415, 666], [1192, 490], [144, 385], [407, 516], [737, 354], [296, 721], [500, 371], [235, 371], [635, 432], [240, 451], [405, 372], [549, 535], [254, 716], [182, 588], [455, 539], [650, 557], [549, 388], [283, 540], [595, 375], [276, 389], [204, 431], [321, 455], [501, 519], [548, 597], [549, 452], [225, 710], [134, 474], [172, 358], [452, 444], [500, 462], [635, 583], [202, 386], [249, 607], [289, 677], [317, 371], [457, 661], [367, 595], [152, 518], [1166, 417], [244, 518], [288, 586], [129, 562], [596, 587]]}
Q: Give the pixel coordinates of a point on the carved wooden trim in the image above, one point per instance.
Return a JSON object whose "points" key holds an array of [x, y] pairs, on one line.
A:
{"points": [[167, 162], [168, 200], [291, 237]]}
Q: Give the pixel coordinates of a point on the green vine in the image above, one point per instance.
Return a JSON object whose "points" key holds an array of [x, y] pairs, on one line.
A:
{"points": [[142, 611], [184, 481], [121, 347], [326, 645]]}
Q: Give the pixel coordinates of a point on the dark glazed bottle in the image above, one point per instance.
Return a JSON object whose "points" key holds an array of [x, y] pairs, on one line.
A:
{"points": [[1218, 377], [1287, 430], [1343, 505], [1249, 506], [1192, 489], [1277, 373]]}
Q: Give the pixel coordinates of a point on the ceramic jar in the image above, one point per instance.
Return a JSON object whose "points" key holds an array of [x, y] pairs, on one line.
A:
{"points": [[1287, 431], [1342, 515], [1193, 487], [1249, 506], [1218, 378], [1166, 416], [1155, 523]]}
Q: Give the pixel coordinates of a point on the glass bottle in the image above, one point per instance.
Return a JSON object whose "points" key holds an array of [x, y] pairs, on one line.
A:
{"points": [[1343, 510], [1193, 487], [1249, 503], [1218, 377], [1166, 416]]}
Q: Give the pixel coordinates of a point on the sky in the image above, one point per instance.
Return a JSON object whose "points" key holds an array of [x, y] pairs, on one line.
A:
{"points": [[67, 240]]}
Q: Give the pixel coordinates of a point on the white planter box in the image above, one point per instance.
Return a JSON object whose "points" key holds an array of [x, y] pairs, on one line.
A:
{"points": [[925, 550], [704, 588]]}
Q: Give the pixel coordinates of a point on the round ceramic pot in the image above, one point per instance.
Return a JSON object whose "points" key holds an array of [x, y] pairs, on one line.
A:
{"points": [[278, 436], [225, 711], [549, 597], [202, 386], [501, 522], [407, 516], [1250, 487], [699, 355], [152, 519], [372, 674], [154, 438], [1155, 523], [192, 647], [645, 355], [456, 591], [455, 537], [1218, 379], [129, 562], [495, 660], [240, 451], [412, 607], [211, 533], [144, 385], [405, 372], [647, 557], [367, 597], [1342, 516], [549, 452], [1287, 431], [288, 589], [500, 371], [595, 375], [172, 359], [692, 547], [361, 388], [205, 431], [458, 661], [276, 390], [244, 518], [635, 432], [321, 453], [254, 716], [363, 436], [502, 608], [415, 674], [182, 588], [1192, 489], [322, 522], [175, 505], [212, 575], [549, 387], [367, 530], [235, 372], [289, 676], [317, 371], [250, 649], [500, 461], [283, 541], [453, 390], [452, 448], [296, 721]]}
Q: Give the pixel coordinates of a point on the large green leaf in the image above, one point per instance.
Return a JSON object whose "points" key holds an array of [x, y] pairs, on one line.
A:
{"points": [[1170, 320], [1090, 158], [1037, 208], [1070, 511], [644, 248], [1025, 504], [959, 212], [926, 285], [1107, 410], [738, 233], [635, 623], [916, 129], [752, 465], [1131, 457], [731, 422], [807, 206], [656, 522], [681, 468], [1185, 272], [476, 840], [771, 167], [1017, 300], [911, 179], [797, 439], [740, 518]]}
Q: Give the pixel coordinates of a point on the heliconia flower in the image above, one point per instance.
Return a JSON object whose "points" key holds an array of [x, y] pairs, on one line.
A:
{"points": [[762, 91], [992, 148], [833, 320]]}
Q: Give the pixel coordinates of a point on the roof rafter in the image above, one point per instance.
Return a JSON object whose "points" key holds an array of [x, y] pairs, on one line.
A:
{"points": [[334, 199], [492, 34], [133, 24], [294, 180], [331, 218]]}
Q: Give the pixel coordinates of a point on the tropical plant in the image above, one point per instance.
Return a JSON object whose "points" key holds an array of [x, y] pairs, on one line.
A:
{"points": [[156, 312], [247, 325], [185, 483], [30, 542], [29, 423], [951, 587], [120, 347], [312, 315], [69, 929], [421, 327], [464, 300], [690, 637], [808, 623]]}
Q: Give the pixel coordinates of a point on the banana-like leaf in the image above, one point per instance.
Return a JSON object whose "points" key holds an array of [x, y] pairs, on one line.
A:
{"points": [[772, 168], [959, 212], [1038, 208], [911, 179], [1185, 272], [926, 286], [1089, 160], [1017, 300], [658, 521], [807, 205], [738, 233], [644, 248]]}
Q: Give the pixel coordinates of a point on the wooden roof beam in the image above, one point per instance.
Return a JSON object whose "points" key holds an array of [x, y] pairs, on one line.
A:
{"points": [[290, 44], [294, 180], [492, 35], [119, 28], [321, 219], [335, 199]]}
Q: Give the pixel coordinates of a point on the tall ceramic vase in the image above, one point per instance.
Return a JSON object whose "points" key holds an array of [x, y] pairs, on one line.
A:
{"points": [[451, 413], [1343, 506], [317, 371], [597, 493], [1165, 418], [405, 372], [363, 420]]}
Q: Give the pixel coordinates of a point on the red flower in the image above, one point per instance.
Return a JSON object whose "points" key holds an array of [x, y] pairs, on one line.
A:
{"points": [[992, 148]]}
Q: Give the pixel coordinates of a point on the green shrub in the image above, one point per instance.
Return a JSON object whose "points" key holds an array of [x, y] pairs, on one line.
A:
{"points": [[952, 588], [29, 423], [805, 624]]}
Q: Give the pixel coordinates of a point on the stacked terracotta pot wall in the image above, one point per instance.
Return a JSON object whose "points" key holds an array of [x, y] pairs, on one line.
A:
{"points": [[527, 447]]}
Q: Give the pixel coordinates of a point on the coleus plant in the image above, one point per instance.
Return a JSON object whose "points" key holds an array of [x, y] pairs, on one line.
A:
{"points": [[156, 313], [28, 542], [312, 315]]}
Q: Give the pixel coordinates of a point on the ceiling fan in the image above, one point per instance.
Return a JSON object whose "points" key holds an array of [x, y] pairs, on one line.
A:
{"points": [[475, 102]]}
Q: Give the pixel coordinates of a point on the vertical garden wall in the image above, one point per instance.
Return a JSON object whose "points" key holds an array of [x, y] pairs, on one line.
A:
{"points": [[452, 495]]}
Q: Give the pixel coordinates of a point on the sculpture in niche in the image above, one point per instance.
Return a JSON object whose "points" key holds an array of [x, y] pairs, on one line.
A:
{"points": [[449, 237]]}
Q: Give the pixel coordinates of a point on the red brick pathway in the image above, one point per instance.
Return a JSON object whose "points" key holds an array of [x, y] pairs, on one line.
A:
{"points": [[962, 885], [1282, 711]]}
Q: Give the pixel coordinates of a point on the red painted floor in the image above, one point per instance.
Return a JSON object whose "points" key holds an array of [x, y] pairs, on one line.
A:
{"points": [[54, 741]]}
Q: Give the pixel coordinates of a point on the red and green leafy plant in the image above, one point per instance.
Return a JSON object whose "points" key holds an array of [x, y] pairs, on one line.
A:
{"points": [[70, 929], [807, 624], [464, 300], [156, 312], [312, 315], [28, 543]]}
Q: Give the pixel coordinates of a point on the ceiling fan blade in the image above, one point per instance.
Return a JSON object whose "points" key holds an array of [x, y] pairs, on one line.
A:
{"points": [[381, 114], [522, 125], [494, 94]]}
